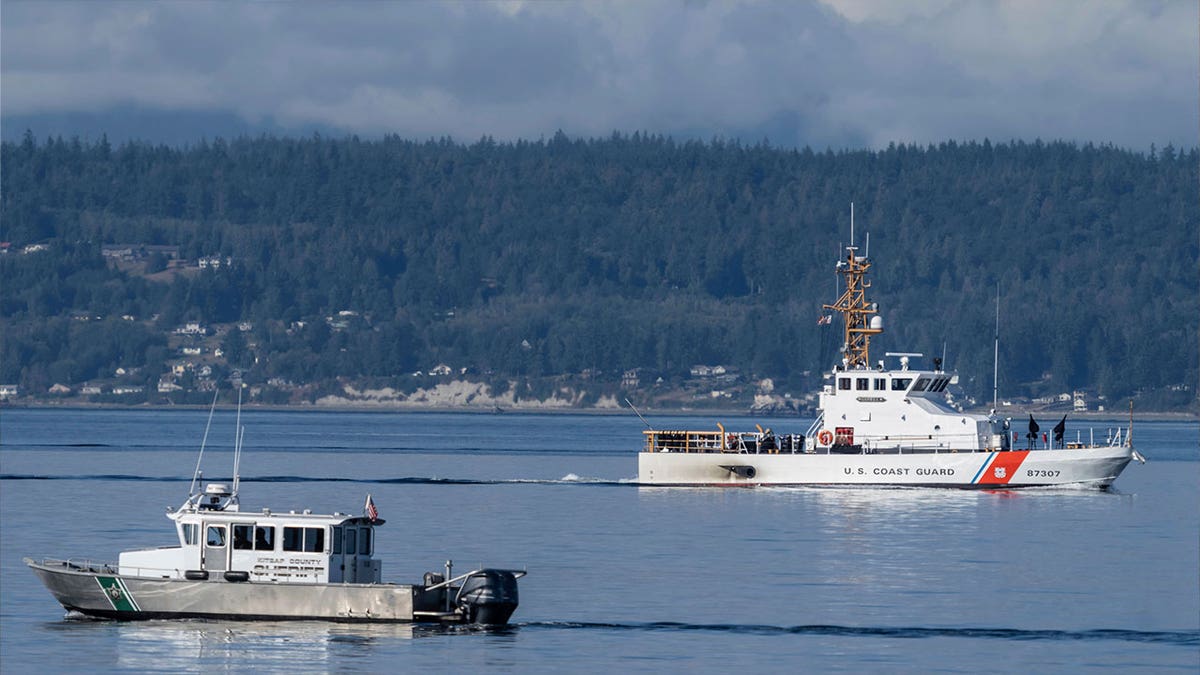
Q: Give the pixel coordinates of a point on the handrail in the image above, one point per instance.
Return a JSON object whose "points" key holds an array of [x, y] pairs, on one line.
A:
{"points": [[516, 573], [743, 442]]}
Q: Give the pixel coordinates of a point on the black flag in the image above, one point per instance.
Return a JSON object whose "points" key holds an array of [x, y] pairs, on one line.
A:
{"points": [[1059, 429], [1033, 428]]}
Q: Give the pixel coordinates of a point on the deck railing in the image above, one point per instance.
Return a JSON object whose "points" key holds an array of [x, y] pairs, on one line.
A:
{"points": [[760, 443], [686, 441]]}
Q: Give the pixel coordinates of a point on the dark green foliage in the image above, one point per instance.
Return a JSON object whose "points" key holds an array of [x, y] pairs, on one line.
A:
{"points": [[538, 259]]}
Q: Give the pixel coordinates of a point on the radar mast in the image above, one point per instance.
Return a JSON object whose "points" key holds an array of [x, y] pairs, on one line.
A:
{"points": [[856, 312]]}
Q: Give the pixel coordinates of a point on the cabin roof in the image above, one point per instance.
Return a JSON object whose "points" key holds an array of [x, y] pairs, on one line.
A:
{"points": [[267, 516]]}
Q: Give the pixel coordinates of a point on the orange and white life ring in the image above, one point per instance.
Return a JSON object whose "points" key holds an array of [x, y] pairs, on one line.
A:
{"points": [[825, 437]]}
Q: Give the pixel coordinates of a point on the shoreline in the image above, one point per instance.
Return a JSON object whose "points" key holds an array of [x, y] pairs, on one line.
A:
{"points": [[1156, 416]]}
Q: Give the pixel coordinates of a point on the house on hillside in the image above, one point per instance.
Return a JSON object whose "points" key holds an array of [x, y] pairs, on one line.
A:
{"points": [[214, 262], [132, 252], [166, 386], [118, 251], [630, 378]]}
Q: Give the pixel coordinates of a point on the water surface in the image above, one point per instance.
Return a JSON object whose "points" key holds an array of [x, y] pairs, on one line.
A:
{"points": [[621, 576]]}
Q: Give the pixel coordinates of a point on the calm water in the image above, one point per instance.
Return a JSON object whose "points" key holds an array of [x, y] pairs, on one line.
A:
{"points": [[621, 577]]}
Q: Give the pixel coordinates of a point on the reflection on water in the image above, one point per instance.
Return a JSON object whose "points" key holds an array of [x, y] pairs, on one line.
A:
{"points": [[164, 645], [292, 645]]}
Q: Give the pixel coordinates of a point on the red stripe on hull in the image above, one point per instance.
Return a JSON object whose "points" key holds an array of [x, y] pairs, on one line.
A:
{"points": [[1003, 468]]}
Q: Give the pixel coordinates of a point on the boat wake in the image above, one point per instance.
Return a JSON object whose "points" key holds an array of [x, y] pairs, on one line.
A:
{"points": [[569, 479], [284, 446], [1179, 638]]}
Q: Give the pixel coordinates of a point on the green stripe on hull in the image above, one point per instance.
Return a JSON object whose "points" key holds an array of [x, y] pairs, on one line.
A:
{"points": [[117, 594]]}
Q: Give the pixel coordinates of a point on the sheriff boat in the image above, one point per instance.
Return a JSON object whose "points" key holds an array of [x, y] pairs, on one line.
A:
{"points": [[885, 424], [235, 564]]}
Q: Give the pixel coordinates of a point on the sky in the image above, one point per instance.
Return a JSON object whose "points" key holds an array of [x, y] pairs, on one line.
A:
{"points": [[827, 73]]}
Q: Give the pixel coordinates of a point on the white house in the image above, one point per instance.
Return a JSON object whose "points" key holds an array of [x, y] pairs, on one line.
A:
{"points": [[167, 386]]}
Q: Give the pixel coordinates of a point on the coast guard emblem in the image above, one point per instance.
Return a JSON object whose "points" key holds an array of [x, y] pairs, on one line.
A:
{"points": [[1000, 472]]}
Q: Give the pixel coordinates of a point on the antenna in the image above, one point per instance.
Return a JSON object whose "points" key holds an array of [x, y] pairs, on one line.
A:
{"points": [[996, 352], [1129, 434], [851, 224], [237, 442], [203, 442], [868, 253], [635, 412]]}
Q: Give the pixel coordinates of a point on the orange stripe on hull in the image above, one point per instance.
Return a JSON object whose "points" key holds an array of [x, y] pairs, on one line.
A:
{"points": [[1003, 468]]}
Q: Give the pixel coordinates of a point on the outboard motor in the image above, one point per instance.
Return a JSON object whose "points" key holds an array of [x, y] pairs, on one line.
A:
{"points": [[488, 596]]}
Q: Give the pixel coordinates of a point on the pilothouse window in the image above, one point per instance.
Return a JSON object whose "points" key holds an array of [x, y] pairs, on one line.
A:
{"points": [[314, 539], [216, 536], [191, 534], [351, 538], [304, 539], [863, 384], [921, 384], [264, 538], [364, 541], [844, 383], [901, 383], [242, 537]]}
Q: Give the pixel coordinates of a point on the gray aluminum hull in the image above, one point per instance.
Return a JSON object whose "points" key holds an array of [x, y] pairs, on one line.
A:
{"points": [[101, 593]]}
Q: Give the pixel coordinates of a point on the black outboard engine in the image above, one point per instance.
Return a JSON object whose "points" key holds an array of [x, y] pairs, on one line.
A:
{"points": [[488, 596]]}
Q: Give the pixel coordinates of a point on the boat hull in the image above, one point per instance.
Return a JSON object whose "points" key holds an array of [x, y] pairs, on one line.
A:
{"points": [[1085, 467], [99, 592]]}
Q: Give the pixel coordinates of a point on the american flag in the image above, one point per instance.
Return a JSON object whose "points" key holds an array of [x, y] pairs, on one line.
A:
{"points": [[372, 512]]}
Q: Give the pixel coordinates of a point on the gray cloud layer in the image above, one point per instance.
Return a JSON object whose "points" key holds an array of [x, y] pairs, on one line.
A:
{"points": [[839, 72]]}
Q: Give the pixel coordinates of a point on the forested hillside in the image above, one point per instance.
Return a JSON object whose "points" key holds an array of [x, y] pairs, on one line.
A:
{"points": [[365, 261]]}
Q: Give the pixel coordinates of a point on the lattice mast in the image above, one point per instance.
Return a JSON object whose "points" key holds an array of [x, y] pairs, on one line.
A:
{"points": [[857, 313]]}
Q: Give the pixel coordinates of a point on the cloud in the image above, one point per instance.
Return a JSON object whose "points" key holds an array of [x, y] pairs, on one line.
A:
{"points": [[839, 72]]}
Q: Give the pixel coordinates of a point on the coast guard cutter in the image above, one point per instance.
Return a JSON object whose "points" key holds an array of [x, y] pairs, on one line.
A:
{"points": [[884, 424]]}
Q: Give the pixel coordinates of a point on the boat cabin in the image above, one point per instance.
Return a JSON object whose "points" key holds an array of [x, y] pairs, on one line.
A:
{"points": [[882, 410], [218, 540]]}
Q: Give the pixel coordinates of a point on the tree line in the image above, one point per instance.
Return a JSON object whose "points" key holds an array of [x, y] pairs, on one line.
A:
{"points": [[533, 259]]}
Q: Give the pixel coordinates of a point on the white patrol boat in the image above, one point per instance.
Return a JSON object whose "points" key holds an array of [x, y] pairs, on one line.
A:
{"points": [[885, 426], [265, 565]]}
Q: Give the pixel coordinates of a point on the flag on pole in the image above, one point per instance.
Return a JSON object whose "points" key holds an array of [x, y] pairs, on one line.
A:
{"points": [[1033, 428], [1059, 429], [372, 512], [825, 320]]}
